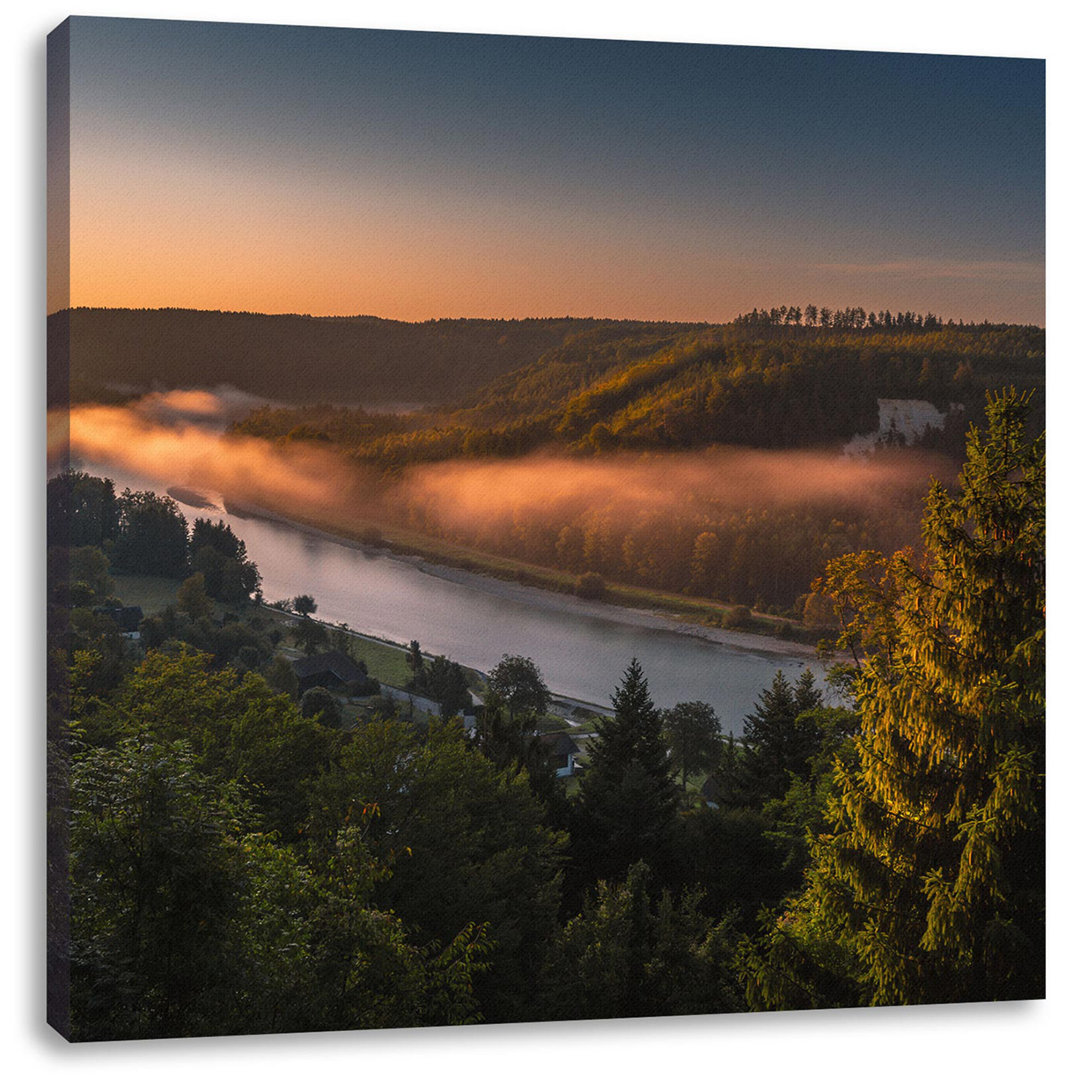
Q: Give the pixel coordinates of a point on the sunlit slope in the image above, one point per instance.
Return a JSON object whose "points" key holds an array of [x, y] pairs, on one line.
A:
{"points": [[666, 389]]}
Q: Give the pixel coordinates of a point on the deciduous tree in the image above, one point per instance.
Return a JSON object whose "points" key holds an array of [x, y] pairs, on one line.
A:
{"points": [[152, 537], [516, 682], [192, 598], [692, 735], [319, 704]]}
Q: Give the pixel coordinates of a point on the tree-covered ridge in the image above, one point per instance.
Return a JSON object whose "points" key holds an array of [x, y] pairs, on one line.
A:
{"points": [[300, 358], [757, 384], [744, 384]]}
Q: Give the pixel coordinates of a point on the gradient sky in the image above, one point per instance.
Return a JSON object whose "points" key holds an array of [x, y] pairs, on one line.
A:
{"points": [[414, 175]]}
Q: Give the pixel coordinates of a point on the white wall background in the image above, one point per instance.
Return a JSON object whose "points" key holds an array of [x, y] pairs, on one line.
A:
{"points": [[1022, 1039]]}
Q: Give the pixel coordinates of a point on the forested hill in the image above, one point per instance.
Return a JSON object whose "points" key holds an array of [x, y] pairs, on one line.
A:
{"points": [[300, 358], [660, 388]]}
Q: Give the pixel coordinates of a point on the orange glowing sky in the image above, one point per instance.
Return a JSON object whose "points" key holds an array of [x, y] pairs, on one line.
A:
{"points": [[415, 176]]}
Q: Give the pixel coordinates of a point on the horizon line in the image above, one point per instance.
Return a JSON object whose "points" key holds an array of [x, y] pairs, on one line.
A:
{"points": [[539, 318]]}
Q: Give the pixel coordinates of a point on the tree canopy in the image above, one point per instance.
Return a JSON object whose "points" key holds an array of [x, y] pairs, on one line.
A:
{"points": [[516, 682], [930, 884], [152, 537], [692, 734]]}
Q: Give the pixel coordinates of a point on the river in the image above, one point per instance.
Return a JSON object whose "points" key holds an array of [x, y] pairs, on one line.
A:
{"points": [[581, 647]]}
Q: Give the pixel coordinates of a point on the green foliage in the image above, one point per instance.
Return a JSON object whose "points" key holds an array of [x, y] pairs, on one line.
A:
{"points": [[445, 682], [239, 727], [692, 735], [232, 642], [222, 559], [517, 683], [628, 798], [185, 924], [631, 954], [777, 747], [155, 884], [730, 854], [86, 630], [192, 598], [319, 704], [515, 744], [89, 577], [801, 814], [304, 605], [80, 510], [930, 885], [152, 536], [466, 841], [310, 636]]}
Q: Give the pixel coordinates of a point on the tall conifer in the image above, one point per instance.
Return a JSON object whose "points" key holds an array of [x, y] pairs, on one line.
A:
{"points": [[931, 885], [628, 797]]}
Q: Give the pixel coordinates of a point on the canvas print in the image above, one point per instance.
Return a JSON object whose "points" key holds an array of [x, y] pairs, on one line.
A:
{"points": [[538, 529]]}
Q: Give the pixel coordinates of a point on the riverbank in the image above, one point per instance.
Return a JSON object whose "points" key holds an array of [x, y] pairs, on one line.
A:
{"points": [[385, 661], [544, 589], [382, 587]]}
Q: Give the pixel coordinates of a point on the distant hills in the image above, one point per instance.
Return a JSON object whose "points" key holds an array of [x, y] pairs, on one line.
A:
{"points": [[664, 388], [585, 389], [505, 386], [298, 358]]}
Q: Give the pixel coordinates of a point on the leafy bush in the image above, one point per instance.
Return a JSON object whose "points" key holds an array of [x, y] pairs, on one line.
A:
{"points": [[590, 586], [320, 704], [737, 617]]}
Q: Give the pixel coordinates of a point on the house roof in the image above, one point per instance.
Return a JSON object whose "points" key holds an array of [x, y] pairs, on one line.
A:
{"points": [[334, 662], [559, 744], [127, 618], [711, 789]]}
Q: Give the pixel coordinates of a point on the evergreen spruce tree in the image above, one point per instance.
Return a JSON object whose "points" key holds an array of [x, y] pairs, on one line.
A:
{"points": [[931, 886], [628, 797], [777, 747]]}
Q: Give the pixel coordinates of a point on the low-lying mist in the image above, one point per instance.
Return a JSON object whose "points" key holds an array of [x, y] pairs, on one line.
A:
{"points": [[629, 515], [179, 438], [670, 483]]}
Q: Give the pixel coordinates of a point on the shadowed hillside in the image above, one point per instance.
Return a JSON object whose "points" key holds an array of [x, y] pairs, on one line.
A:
{"points": [[298, 358]]}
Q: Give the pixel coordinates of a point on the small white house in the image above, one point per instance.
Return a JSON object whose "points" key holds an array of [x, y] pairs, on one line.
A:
{"points": [[562, 750]]}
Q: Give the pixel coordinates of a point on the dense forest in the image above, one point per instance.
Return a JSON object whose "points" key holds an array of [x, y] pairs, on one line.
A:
{"points": [[564, 398], [227, 859], [739, 384], [769, 382], [103, 353], [516, 382]]}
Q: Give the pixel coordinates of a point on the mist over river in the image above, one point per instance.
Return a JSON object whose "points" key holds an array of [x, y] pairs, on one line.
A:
{"points": [[581, 647]]}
